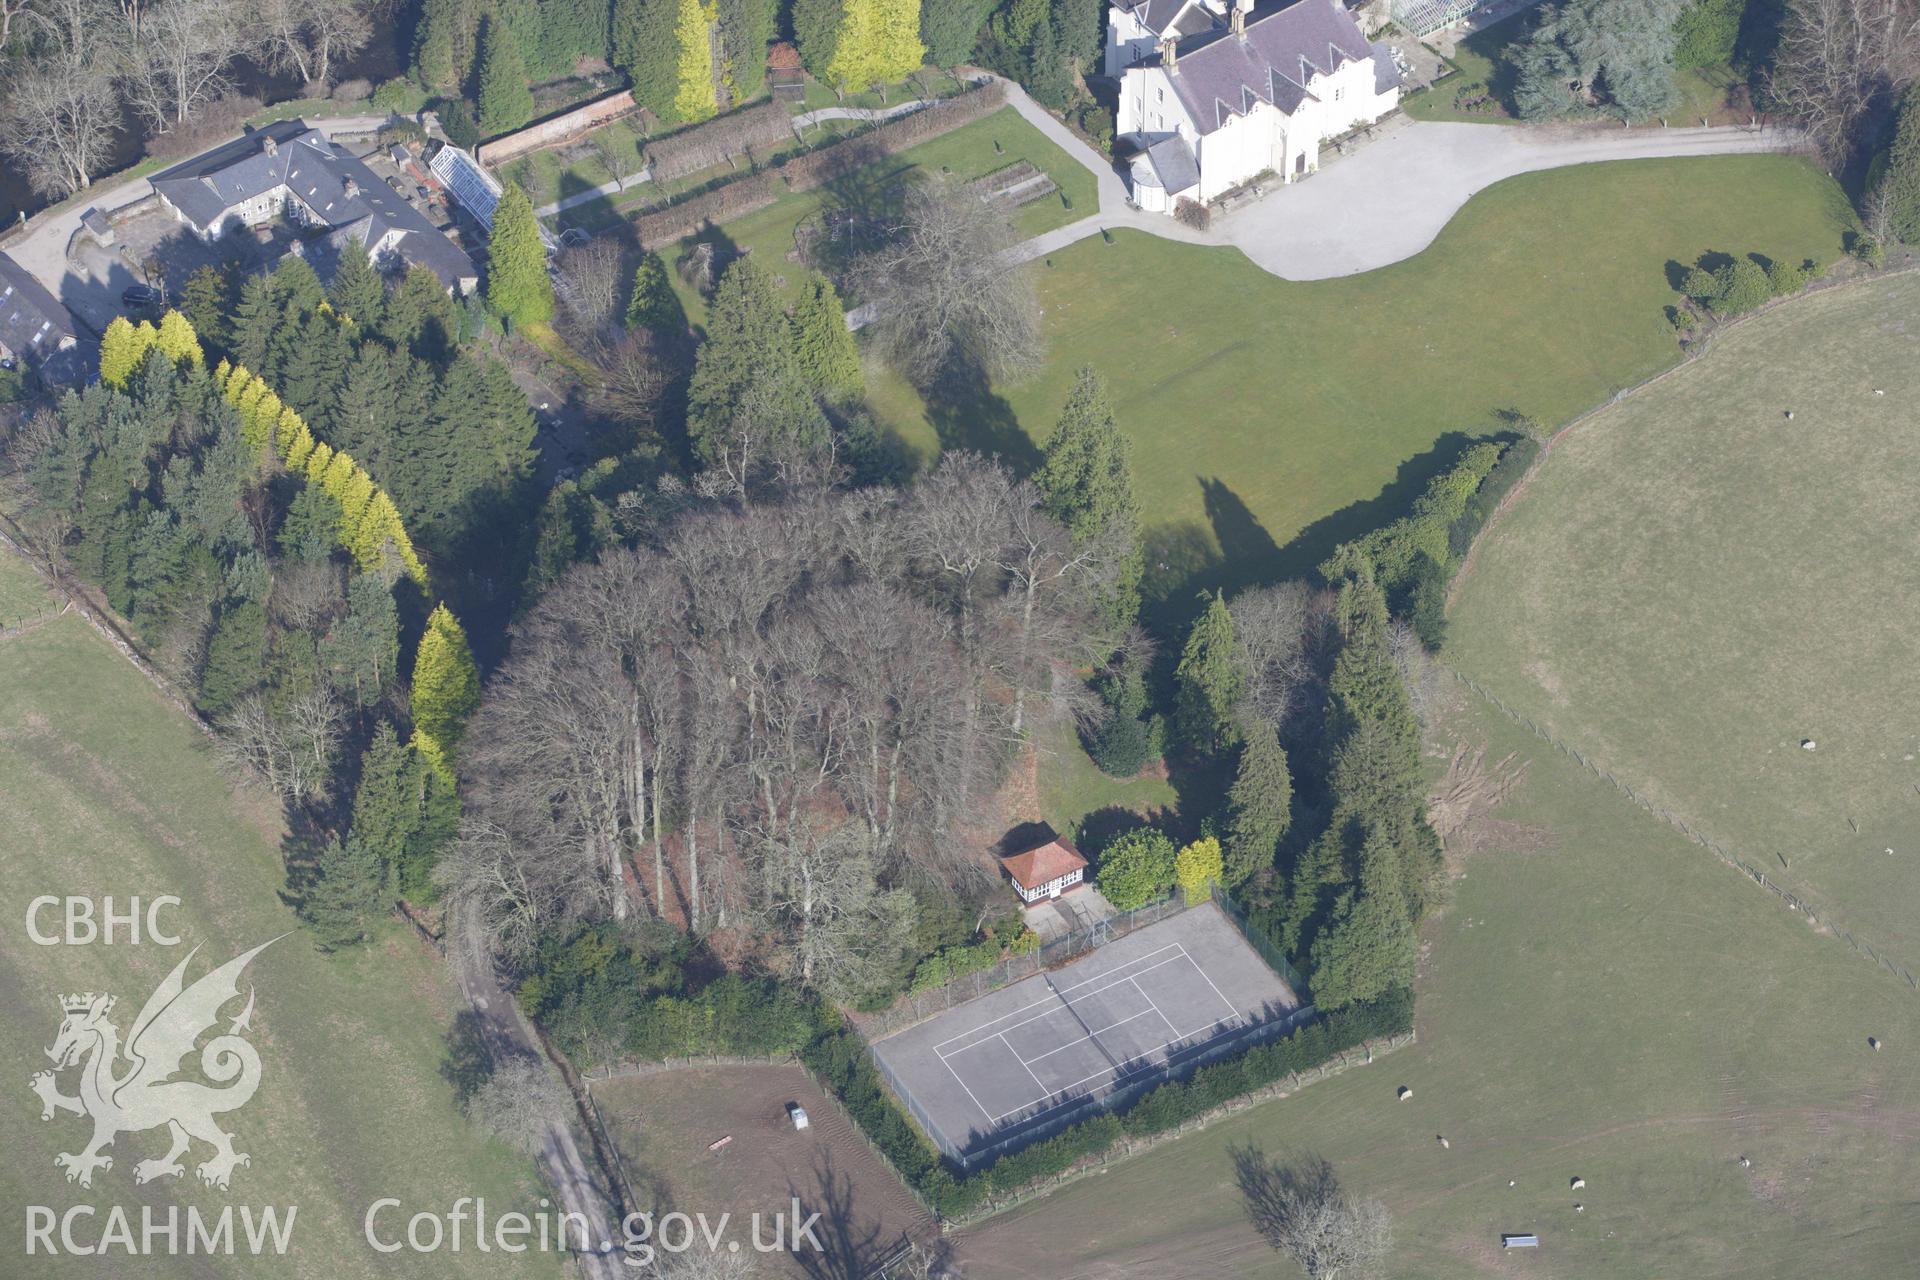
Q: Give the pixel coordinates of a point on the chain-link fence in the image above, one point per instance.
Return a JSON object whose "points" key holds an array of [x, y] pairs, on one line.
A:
{"points": [[1263, 946], [910, 1009]]}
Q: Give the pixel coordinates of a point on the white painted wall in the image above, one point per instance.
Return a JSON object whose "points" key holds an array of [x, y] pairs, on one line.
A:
{"points": [[1263, 138]]}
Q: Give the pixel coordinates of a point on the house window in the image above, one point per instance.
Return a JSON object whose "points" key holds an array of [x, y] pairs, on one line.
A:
{"points": [[1339, 94], [1159, 95]]}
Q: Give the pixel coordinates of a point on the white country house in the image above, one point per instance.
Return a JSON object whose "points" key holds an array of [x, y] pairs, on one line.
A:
{"points": [[1214, 93]]}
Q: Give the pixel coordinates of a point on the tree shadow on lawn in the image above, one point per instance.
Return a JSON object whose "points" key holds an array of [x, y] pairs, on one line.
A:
{"points": [[967, 413], [1186, 561]]}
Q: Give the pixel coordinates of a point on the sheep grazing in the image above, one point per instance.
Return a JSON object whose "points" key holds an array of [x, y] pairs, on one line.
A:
{"points": [[1579, 1183], [1789, 415], [1806, 744], [1406, 1094], [1441, 1138], [1579, 1208], [1745, 1163], [1873, 1043]]}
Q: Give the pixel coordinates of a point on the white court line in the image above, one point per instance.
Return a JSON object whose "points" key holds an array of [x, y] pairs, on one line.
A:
{"points": [[1156, 1008], [1028, 1062], [1054, 1001], [1231, 1011], [1059, 993], [1023, 1062], [991, 1118]]}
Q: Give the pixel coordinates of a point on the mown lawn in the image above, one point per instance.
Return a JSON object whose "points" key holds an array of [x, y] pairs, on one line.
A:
{"points": [[1613, 1005], [1694, 584], [108, 791], [1272, 420], [974, 150]]}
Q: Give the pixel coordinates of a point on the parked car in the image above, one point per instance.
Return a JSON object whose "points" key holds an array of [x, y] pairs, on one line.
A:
{"points": [[143, 295], [797, 1114]]}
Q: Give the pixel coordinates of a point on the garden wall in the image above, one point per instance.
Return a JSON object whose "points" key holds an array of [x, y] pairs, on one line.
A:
{"points": [[544, 133]]}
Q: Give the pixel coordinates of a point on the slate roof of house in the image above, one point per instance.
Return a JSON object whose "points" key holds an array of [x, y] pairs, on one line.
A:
{"points": [[34, 325], [1046, 863], [1174, 164], [1219, 76], [331, 182], [1186, 17], [1385, 74]]}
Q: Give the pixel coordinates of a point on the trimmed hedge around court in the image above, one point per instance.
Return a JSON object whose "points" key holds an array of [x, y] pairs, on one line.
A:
{"points": [[839, 1057]]}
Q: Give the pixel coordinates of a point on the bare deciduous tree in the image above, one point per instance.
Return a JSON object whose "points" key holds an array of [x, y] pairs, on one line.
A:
{"points": [[593, 283], [946, 303], [291, 749], [183, 54], [829, 914], [519, 1103], [62, 108], [9, 10], [1302, 1211], [305, 36], [1840, 59]]}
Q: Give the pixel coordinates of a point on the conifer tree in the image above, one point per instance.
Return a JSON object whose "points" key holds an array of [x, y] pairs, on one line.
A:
{"points": [[1087, 481], [746, 376], [747, 27], [653, 305], [646, 46], [362, 649], [1209, 680], [878, 42], [1049, 77], [254, 318], [816, 31], [236, 657], [404, 812], [518, 288], [207, 300], [693, 98], [949, 29], [828, 355], [120, 352], [505, 101], [1259, 806], [298, 288], [347, 894], [446, 685], [356, 291], [176, 339], [1367, 948], [1902, 176]]}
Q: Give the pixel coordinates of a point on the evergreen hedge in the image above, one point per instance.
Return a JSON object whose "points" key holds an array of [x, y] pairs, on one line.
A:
{"points": [[840, 1058]]}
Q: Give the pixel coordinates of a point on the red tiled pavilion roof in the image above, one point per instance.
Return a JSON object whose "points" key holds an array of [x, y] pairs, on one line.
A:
{"points": [[1048, 862]]}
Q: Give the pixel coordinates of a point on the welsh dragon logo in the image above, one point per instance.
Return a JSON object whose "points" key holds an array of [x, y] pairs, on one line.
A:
{"points": [[145, 1094]]}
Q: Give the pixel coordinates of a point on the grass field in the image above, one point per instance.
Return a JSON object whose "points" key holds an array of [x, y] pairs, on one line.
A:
{"points": [[1272, 420], [1693, 584], [971, 151], [1613, 1005], [107, 790]]}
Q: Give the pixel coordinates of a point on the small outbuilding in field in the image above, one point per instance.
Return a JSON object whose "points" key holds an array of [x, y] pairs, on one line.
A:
{"points": [[1045, 871]]}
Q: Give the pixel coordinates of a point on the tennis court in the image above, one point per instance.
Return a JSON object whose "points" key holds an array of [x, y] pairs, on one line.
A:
{"points": [[1016, 1062]]}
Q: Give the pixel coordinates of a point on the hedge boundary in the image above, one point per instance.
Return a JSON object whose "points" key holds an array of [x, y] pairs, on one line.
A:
{"points": [[840, 1060], [810, 170]]}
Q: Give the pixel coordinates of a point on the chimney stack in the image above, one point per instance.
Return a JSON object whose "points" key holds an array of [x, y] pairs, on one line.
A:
{"points": [[1237, 22], [271, 147], [1170, 52]]}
